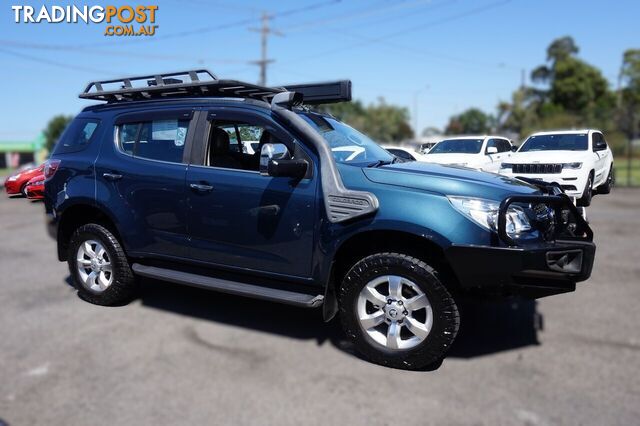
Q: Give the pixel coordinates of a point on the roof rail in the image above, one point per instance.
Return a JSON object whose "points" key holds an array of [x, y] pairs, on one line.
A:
{"points": [[202, 83]]}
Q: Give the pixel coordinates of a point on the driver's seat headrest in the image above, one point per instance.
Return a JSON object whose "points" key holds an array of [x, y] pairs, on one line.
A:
{"points": [[219, 141]]}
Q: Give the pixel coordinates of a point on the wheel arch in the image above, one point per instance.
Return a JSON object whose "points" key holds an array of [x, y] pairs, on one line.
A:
{"points": [[362, 244], [77, 215]]}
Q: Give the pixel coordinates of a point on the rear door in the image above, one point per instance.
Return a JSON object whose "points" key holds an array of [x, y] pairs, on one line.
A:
{"points": [[238, 218], [141, 180]]}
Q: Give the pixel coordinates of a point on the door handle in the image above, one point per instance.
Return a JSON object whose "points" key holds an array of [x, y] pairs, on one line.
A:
{"points": [[111, 176], [201, 187]]}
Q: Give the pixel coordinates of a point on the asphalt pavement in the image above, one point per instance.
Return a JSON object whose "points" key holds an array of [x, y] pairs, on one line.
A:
{"points": [[181, 355]]}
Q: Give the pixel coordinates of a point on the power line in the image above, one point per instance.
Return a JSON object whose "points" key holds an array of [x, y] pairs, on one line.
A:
{"points": [[384, 38], [368, 11], [54, 63], [307, 8], [218, 4], [209, 29], [152, 56]]}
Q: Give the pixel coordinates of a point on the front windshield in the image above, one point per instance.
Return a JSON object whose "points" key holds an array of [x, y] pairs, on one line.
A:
{"points": [[348, 145], [457, 146], [556, 142]]}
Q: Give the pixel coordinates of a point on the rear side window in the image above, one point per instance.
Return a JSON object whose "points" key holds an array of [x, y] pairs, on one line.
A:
{"points": [[77, 136], [161, 140]]}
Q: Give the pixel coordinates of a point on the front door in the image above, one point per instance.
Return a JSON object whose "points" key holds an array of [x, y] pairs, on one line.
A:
{"points": [[494, 159], [238, 218]]}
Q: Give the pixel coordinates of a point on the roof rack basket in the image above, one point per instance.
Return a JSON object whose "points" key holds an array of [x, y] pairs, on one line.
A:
{"points": [[202, 83]]}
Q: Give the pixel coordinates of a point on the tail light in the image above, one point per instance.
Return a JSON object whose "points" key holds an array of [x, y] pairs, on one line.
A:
{"points": [[50, 168]]}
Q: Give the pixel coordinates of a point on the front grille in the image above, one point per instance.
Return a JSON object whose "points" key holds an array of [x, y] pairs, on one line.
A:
{"points": [[537, 168]]}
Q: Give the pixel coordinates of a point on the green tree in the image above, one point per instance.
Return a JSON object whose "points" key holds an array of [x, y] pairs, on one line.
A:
{"points": [[380, 121], [470, 121], [573, 85], [54, 129], [567, 92], [628, 114]]}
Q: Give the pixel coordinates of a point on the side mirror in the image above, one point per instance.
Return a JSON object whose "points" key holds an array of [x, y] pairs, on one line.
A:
{"points": [[514, 148], [492, 150], [276, 161]]}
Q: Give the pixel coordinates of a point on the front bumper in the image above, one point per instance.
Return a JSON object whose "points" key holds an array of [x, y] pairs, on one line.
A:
{"points": [[552, 265], [534, 272], [35, 192], [12, 187], [572, 182]]}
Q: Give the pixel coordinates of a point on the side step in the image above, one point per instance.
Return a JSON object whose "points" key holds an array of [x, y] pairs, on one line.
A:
{"points": [[232, 287]]}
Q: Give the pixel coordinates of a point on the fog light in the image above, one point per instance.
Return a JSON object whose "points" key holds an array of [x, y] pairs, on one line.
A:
{"points": [[569, 261]]}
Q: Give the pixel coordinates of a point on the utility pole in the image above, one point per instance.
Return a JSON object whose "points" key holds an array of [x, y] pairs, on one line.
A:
{"points": [[265, 30], [416, 93], [523, 79]]}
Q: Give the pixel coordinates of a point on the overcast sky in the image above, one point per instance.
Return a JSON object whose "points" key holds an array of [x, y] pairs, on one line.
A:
{"points": [[447, 54]]}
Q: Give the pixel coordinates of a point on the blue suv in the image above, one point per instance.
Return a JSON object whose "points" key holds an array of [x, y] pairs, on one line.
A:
{"points": [[244, 189]]}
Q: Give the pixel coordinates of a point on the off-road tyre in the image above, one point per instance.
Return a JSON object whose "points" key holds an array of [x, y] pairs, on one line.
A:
{"points": [[446, 319], [124, 284]]}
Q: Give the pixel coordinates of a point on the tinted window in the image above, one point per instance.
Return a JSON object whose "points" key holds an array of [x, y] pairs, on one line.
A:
{"points": [[128, 135], [504, 145], [161, 140], [492, 143], [347, 144], [236, 145], [599, 143], [243, 138], [77, 136], [556, 142], [457, 146]]}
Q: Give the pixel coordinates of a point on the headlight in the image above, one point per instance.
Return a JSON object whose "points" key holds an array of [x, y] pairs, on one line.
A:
{"points": [[485, 213], [14, 177], [571, 165], [506, 166]]}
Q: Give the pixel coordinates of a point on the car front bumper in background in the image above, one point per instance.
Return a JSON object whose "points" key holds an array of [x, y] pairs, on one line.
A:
{"points": [[35, 192], [12, 187], [531, 272], [572, 182]]}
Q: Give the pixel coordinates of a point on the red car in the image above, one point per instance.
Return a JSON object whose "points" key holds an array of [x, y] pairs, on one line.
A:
{"points": [[17, 182], [35, 187]]}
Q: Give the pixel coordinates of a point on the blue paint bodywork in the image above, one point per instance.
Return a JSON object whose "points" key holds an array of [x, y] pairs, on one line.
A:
{"points": [[274, 227]]}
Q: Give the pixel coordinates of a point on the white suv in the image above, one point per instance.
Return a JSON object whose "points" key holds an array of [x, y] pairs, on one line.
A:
{"points": [[579, 160], [477, 152]]}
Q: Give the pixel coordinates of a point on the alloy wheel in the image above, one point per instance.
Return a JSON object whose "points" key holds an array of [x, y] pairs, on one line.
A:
{"points": [[394, 312], [94, 266]]}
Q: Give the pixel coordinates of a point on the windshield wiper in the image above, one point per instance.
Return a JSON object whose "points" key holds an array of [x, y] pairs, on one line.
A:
{"points": [[379, 163]]}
